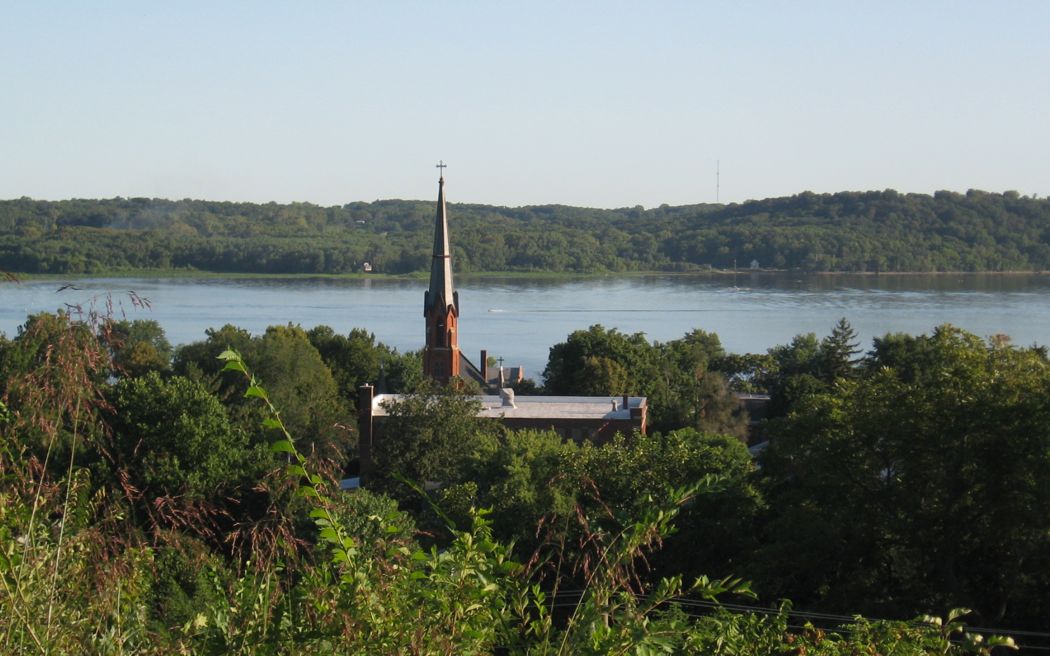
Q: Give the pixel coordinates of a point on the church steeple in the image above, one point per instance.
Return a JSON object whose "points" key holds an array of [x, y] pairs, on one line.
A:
{"points": [[441, 289], [441, 357]]}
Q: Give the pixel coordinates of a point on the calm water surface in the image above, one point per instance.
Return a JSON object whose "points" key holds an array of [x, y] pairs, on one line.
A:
{"points": [[520, 319]]}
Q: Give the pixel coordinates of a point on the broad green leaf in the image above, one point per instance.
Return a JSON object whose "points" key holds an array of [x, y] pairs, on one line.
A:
{"points": [[235, 365], [282, 446], [229, 355]]}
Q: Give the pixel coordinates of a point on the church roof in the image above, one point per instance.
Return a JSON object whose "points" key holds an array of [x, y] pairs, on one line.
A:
{"points": [[469, 371], [441, 264]]}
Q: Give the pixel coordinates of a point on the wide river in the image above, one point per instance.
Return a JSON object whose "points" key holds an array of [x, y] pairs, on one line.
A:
{"points": [[519, 319]]}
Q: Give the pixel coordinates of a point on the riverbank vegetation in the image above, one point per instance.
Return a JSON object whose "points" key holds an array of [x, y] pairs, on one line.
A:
{"points": [[187, 501], [882, 231]]}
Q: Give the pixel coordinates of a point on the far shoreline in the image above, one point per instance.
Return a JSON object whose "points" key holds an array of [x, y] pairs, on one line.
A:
{"points": [[195, 274]]}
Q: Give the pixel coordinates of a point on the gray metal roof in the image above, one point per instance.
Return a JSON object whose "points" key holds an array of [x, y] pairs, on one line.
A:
{"points": [[608, 408]]}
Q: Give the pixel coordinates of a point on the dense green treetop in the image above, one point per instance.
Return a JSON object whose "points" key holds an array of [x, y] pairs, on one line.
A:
{"points": [[540, 487], [138, 346], [922, 479], [303, 383], [847, 231], [683, 390], [173, 437]]}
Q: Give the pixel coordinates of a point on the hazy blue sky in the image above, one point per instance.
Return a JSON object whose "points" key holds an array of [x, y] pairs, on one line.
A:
{"points": [[605, 104]]}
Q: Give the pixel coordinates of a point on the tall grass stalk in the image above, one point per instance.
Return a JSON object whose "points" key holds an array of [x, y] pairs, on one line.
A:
{"points": [[65, 514], [60, 387]]}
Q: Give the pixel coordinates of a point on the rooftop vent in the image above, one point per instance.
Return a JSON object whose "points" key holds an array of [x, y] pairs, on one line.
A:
{"points": [[506, 395]]}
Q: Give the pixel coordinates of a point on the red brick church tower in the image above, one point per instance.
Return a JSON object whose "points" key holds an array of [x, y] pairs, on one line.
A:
{"points": [[441, 357]]}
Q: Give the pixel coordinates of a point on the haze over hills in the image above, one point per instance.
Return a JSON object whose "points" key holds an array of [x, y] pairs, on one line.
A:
{"points": [[878, 231]]}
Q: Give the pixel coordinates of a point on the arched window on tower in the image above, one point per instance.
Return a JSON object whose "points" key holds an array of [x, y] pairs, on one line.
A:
{"points": [[442, 334]]}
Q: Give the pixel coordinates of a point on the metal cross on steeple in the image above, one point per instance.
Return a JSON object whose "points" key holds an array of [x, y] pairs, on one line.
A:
{"points": [[442, 166]]}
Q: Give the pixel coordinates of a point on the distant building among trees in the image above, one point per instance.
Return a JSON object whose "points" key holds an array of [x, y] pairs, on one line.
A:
{"points": [[596, 418]]}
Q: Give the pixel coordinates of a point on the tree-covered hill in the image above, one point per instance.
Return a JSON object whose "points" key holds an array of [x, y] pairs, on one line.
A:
{"points": [[849, 231]]}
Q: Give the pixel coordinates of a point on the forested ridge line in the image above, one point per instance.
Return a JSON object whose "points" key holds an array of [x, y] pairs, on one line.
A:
{"points": [[877, 231]]}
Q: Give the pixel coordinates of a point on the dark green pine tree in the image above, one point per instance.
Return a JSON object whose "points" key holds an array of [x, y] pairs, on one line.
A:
{"points": [[837, 354]]}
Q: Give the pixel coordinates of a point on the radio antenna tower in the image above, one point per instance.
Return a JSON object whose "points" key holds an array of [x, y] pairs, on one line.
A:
{"points": [[718, 180]]}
